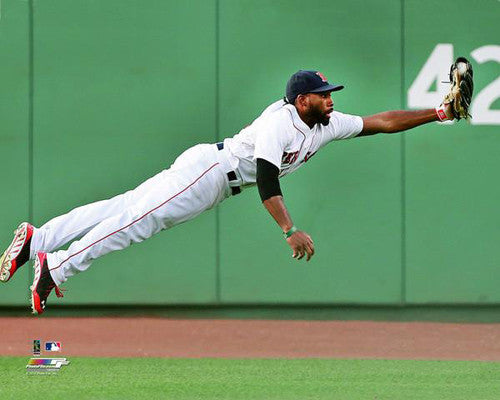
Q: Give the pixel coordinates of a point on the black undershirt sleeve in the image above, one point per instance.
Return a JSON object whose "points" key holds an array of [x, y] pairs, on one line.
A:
{"points": [[267, 179]]}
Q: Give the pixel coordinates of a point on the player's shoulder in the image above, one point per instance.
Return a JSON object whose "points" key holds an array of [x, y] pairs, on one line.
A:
{"points": [[343, 125], [273, 107], [278, 112], [340, 118], [340, 115]]}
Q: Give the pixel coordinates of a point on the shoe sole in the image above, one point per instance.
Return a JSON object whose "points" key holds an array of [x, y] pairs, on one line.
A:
{"points": [[36, 307], [4, 266], [6, 259]]}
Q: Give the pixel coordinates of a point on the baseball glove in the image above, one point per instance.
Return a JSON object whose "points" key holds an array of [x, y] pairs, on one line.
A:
{"points": [[462, 86]]}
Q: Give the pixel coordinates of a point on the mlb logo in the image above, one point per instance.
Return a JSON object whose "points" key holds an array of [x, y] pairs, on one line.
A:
{"points": [[53, 346]]}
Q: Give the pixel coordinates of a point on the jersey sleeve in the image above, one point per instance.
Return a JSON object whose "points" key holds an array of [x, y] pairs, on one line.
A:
{"points": [[272, 138], [342, 126]]}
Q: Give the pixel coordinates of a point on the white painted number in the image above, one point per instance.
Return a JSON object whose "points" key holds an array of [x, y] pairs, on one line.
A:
{"points": [[436, 69], [480, 108], [419, 94]]}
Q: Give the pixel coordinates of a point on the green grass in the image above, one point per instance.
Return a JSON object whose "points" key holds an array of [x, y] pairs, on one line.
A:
{"points": [[152, 378]]}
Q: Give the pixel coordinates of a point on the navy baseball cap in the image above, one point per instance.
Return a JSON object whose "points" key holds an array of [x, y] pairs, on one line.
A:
{"points": [[303, 82]]}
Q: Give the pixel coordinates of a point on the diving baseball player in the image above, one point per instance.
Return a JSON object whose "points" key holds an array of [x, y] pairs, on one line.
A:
{"points": [[284, 137]]}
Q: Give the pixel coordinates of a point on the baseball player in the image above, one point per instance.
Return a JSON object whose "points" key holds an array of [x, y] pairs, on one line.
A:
{"points": [[284, 137]]}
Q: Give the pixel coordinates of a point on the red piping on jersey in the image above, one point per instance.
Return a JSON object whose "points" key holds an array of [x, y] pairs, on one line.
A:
{"points": [[312, 141], [295, 126], [138, 219]]}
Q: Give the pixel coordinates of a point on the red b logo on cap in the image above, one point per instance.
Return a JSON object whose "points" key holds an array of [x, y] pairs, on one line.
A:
{"points": [[323, 77]]}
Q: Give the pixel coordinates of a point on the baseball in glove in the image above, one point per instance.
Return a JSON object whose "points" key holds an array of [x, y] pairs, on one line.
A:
{"points": [[456, 103]]}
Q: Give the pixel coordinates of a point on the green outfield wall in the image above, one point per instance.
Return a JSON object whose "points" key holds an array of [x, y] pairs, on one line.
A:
{"points": [[97, 96]]}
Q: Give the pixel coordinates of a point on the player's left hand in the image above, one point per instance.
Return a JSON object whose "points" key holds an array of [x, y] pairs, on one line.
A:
{"points": [[301, 244]]}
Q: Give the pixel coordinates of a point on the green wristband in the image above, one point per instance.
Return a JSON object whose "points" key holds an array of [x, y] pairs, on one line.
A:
{"points": [[292, 230]]}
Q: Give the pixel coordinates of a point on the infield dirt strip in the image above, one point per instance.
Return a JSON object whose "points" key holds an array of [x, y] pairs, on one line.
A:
{"points": [[161, 337]]}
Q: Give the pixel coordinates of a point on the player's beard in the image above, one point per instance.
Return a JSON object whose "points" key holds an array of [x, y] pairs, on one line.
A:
{"points": [[320, 116]]}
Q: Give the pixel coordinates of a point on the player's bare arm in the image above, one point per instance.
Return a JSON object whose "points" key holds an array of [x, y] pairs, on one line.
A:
{"points": [[396, 121], [300, 242], [270, 193]]}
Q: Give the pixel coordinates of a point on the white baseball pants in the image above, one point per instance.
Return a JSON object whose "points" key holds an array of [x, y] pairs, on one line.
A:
{"points": [[197, 181]]}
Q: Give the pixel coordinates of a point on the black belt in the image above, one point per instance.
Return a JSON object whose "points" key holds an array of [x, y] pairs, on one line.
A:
{"points": [[231, 175]]}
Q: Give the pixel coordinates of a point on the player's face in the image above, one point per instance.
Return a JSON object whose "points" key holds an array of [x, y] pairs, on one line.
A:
{"points": [[320, 107]]}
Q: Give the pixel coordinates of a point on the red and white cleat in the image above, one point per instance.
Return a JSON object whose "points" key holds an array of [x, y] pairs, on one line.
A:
{"points": [[18, 252], [42, 284]]}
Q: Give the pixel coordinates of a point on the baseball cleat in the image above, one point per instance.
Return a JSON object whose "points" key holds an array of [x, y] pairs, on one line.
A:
{"points": [[42, 284], [17, 253]]}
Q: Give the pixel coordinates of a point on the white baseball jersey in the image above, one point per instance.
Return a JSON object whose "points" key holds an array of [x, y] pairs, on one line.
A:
{"points": [[196, 181], [280, 136]]}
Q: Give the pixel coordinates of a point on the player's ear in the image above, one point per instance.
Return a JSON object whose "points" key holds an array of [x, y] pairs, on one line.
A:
{"points": [[302, 100]]}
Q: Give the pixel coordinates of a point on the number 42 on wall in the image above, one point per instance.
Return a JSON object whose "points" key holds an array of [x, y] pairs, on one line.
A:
{"points": [[420, 94]]}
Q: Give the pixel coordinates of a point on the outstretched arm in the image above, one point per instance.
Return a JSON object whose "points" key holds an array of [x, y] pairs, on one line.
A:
{"points": [[455, 105], [397, 121], [270, 193]]}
